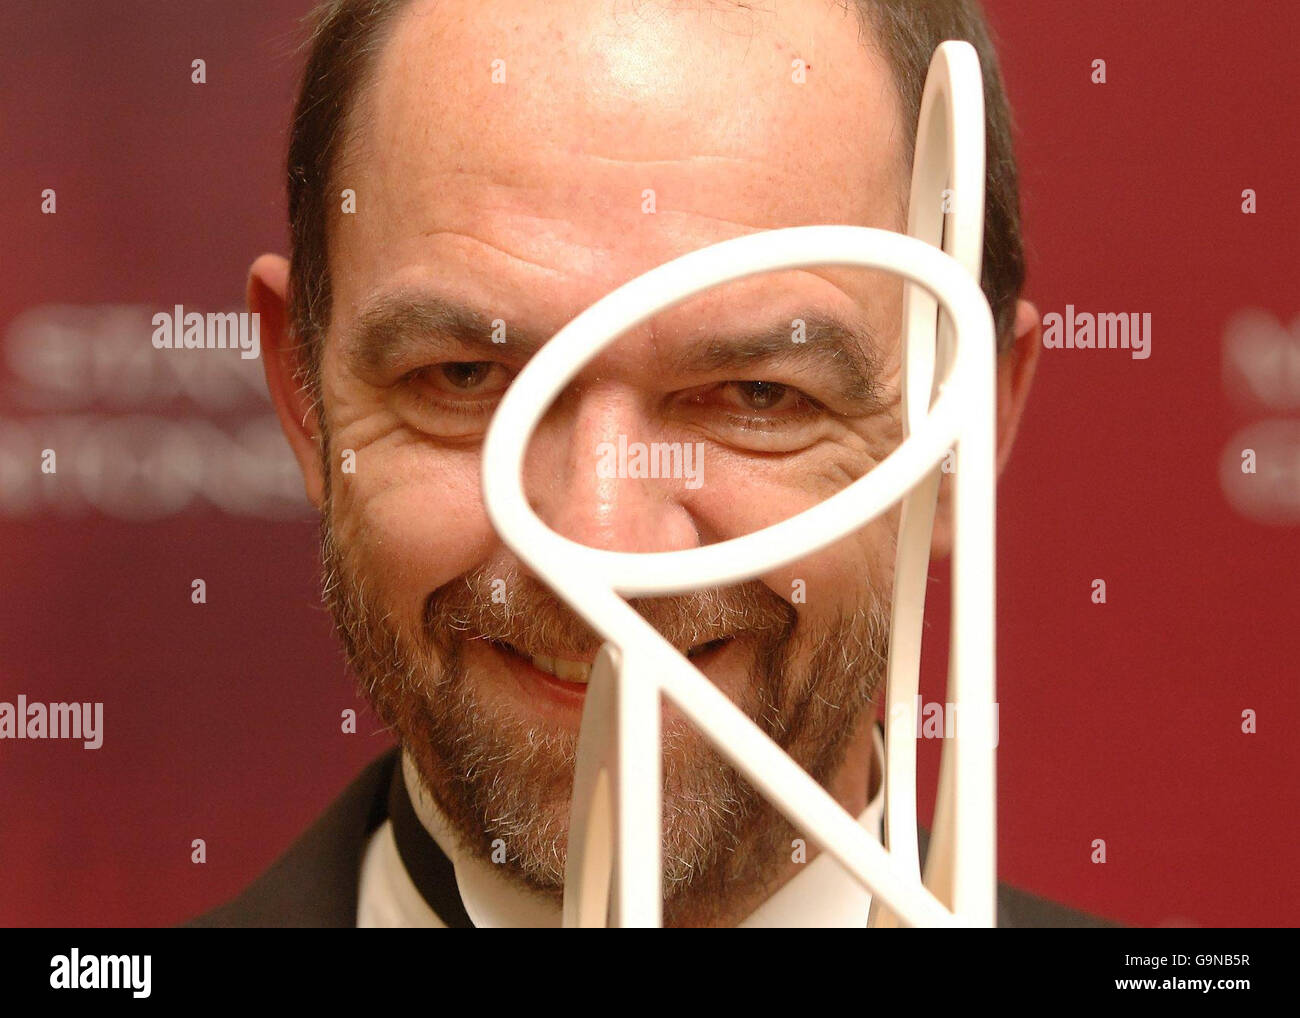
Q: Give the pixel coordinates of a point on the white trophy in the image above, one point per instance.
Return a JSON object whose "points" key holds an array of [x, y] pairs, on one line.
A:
{"points": [[949, 361]]}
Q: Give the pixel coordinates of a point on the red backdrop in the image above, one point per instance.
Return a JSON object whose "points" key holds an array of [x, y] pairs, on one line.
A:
{"points": [[1120, 721]]}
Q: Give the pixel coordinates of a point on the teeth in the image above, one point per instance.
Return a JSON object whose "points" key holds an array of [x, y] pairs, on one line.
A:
{"points": [[580, 671], [569, 671]]}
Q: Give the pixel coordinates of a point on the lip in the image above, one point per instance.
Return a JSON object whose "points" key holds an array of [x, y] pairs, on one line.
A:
{"points": [[536, 682], [571, 696]]}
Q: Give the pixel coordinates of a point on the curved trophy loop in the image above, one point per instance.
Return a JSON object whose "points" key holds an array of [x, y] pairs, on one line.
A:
{"points": [[614, 828]]}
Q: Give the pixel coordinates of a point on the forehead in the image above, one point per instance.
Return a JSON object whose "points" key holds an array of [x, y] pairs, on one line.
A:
{"points": [[510, 151]]}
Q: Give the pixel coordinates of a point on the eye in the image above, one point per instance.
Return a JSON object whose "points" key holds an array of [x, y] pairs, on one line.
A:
{"points": [[453, 399], [762, 395], [463, 377], [758, 415]]}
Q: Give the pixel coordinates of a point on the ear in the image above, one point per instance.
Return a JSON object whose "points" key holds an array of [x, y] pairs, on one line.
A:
{"points": [[1015, 375], [268, 282]]}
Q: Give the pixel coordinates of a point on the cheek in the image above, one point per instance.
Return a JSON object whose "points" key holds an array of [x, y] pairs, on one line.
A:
{"points": [[844, 576], [840, 577], [411, 520]]}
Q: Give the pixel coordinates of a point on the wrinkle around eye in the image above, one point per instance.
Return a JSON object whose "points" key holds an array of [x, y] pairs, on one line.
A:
{"points": [[367, 430]]}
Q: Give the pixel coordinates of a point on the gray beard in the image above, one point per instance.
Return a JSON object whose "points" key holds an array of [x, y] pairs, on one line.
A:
{"points": [[500, 776]]}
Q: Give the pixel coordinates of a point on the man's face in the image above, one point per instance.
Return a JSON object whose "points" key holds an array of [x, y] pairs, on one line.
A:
{"points": [[616, 137]]}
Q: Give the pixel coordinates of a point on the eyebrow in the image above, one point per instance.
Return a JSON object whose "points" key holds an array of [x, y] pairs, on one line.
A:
{"points": [[844, 352], [397, 327]]}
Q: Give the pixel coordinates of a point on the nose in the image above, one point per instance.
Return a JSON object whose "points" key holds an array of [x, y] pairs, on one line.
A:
{"points": [[600, 473]]}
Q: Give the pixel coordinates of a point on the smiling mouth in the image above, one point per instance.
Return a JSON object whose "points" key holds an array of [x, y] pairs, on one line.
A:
{"points": [[579, 672]]}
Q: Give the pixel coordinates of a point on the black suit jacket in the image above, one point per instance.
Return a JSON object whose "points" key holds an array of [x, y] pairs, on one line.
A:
{"points": [[315, 883]]}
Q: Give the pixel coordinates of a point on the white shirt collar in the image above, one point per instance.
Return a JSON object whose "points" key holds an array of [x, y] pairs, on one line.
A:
{"points": [[821, 895]]}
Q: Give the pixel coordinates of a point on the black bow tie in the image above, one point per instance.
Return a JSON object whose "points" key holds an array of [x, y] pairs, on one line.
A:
{"points": [[430, 870]]}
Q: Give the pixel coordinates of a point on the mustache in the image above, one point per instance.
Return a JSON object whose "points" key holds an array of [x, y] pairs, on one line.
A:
{"points": [[506, 605]]}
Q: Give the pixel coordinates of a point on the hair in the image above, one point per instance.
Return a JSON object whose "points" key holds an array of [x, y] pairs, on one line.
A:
{"points": [[347, 34]]}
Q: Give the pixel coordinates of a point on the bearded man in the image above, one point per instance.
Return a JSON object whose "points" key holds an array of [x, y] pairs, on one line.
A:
{"points": [[466, 176]]}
